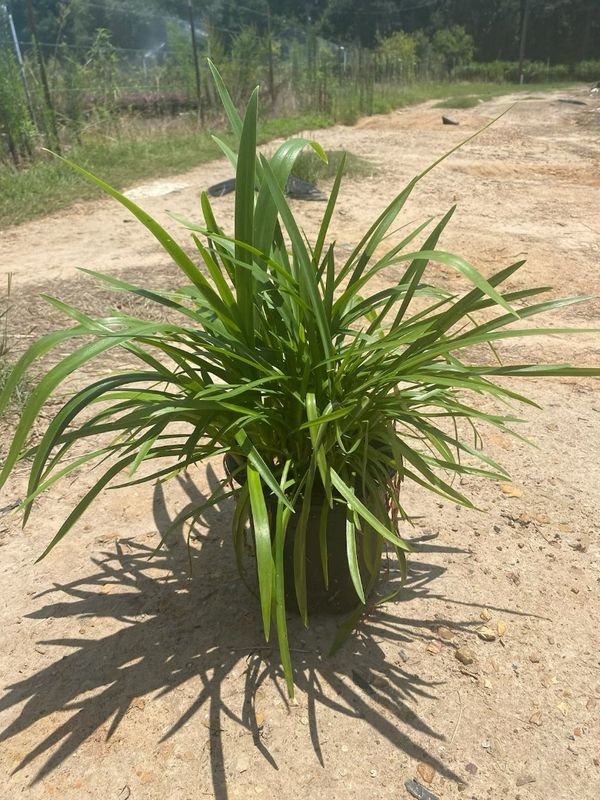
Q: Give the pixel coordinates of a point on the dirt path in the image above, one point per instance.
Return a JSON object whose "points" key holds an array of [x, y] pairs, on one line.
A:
{"points": [[124, 680]]}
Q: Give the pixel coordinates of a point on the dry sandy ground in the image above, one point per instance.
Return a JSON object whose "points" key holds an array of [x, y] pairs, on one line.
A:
{"points": [[123, 679]]}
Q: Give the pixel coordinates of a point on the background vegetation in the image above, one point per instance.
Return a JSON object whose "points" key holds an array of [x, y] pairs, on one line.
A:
{"points": [[115, 83], [565, 31]]}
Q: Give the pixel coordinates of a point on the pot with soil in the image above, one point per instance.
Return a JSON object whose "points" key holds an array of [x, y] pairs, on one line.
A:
{"points": [[329, 380]]}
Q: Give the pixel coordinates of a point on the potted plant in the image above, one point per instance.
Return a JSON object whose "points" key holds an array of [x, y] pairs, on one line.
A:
{"points": [[323, 396]]}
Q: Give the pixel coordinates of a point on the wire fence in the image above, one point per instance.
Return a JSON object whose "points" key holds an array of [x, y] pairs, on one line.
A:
{"points": [[92, 87]]}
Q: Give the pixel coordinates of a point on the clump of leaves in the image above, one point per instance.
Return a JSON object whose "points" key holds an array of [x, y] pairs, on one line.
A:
{"points": [[293, 364], [310, 167]]}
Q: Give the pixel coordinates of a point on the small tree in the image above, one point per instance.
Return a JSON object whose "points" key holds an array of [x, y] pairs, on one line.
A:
{"points": [[102, 67], [247, 61], [180, 62], [454, 47], [399, 49]]}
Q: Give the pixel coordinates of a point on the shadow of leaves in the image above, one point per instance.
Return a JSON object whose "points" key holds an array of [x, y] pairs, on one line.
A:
{"points": [[172, 628]]}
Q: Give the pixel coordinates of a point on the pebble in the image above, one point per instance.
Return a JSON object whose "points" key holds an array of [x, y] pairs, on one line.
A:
{"points": [[534, 658], [464, 655], [471, 769], [524, 779], [510, 490], [536, 718], [445, 633], [487, 634], [485, 615], [426, 772], [563, 708]]}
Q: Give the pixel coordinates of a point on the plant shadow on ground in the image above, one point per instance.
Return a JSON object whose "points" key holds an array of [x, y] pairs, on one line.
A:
{"points": [[176, 629]]}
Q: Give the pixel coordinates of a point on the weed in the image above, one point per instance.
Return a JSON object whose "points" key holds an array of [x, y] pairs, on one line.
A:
{"points": [[19, 394], [310, 167]]}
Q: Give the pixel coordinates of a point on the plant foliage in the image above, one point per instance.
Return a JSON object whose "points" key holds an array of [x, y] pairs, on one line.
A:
{"points": [[280, 356]]}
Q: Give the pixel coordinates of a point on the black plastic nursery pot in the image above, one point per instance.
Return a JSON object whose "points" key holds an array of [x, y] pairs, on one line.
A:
{"points": [[339, 595]]}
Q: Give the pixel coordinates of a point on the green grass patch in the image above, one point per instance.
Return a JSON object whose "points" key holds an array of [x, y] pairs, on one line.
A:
{"points": [[400, 96], [49, 185], [310, 167], [470, 95], [468, 101], [173, 146]]}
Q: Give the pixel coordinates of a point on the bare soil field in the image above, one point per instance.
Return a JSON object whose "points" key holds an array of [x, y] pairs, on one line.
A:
{"points": [[122, 678]]}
